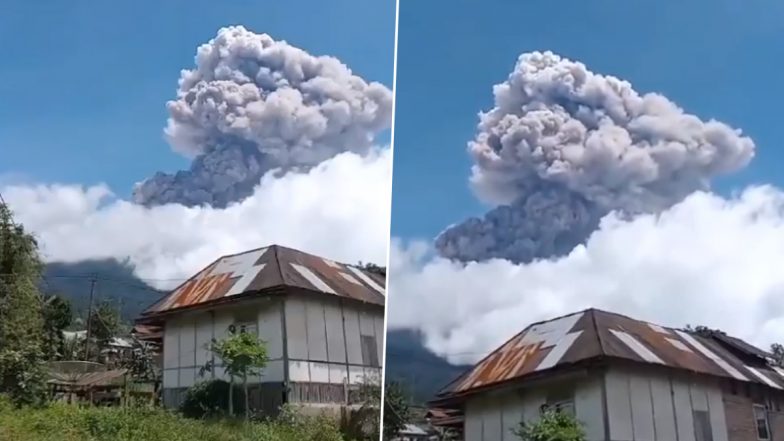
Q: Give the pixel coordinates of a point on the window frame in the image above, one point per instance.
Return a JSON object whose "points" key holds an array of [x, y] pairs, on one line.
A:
{"points": [[766, 419]]}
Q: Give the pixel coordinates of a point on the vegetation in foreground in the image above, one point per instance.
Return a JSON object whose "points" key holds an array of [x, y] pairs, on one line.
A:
{"points": [[60, 422]]}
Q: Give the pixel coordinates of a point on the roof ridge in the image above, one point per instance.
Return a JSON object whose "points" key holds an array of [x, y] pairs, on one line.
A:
{"points": [[596, 331]]}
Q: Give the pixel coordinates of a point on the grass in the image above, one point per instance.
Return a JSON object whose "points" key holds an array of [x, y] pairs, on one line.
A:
{"points": [[61, 422]]}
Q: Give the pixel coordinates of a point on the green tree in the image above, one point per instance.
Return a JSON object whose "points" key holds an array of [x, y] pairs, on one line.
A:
{"points": [[777, 351], [243, 354], [396, 410], [553, 426], [57, 317], [21, 318], [104, 324]]}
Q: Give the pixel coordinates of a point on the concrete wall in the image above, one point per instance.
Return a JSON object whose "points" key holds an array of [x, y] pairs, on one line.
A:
{"points": [[648, 406], [491, 417], [186, 338], [324, 338]]}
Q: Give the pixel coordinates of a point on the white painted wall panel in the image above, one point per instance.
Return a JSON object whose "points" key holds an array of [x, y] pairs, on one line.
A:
{"points": [[171, 346], [353, 345], [366, 323], [663, 411], [273, 371], [271, 330], [299, 371], [187, 344], [219, 373], [683, 412], [717, 417], [473, 422], [356, 375], [317, 331], [491, 420], [187, 377], [338, 374], [319, 372], [642, 408], [532, 404], [512, 415], [296, 328], [171, 378], [619, 412], [588, 409], [378, 321], [336, 344], [203, 337], [223, 319], [699, 400]]}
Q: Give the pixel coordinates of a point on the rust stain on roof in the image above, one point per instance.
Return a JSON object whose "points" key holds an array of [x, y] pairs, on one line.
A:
{"points": [[595, 334], [271, 267]]}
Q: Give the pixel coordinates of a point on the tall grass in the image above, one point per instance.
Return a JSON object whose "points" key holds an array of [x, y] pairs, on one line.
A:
{"points": [[60, 422]]}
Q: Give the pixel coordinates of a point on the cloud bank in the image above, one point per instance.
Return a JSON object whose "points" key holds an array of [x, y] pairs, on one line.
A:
{"points": [[319, 211], [705, 261], [252, 104], [564, 146]]}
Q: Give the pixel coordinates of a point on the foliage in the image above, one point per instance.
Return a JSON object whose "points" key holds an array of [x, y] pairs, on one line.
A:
{"points": [[208, 399], [396, 410], [141, 362], [553, 426], [21, 318], [62, 422], [778, 354], [57, 316], [242, 354], [363, 423]]}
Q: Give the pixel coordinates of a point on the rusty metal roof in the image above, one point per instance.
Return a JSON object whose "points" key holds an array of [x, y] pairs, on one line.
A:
{"points": [[593, 334], [272, 267]]}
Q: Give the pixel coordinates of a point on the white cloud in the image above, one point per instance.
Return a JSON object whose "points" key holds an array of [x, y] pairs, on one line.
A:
{"points": [[707, 260], [339, 209]]}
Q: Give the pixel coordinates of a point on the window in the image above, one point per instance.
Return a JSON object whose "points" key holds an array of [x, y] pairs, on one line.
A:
{"points": [[566, 406], [369, 350], [560, 400], [249, 327], [761, 418], [702, 426]]}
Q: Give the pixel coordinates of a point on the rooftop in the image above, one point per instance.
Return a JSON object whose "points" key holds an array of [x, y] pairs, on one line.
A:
{"points": [[267, 270], [594, 334]]}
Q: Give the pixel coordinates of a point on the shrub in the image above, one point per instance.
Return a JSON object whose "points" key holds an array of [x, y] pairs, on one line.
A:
{"points": [[208, 399], [553, 426]]}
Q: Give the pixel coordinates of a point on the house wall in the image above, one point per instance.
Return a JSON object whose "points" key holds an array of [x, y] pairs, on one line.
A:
{"points": [[324, 341], [492, 416], [652, 406], [739, 401], [186, 338]]}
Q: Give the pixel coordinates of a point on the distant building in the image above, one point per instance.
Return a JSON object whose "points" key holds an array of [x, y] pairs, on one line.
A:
{"points": [[624, 379], [323, 323]]}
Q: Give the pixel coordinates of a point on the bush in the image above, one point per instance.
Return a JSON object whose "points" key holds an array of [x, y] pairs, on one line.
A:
{"points": [[209, 399], [553, 426], [62, 422]]}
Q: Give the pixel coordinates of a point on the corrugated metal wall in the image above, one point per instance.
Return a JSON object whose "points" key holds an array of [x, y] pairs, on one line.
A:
{"points": [[186, 338], [492, 417], [324, 341], [653, 407]]}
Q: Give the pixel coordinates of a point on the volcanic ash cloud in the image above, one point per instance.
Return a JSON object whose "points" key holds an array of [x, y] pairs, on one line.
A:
{"points": [[564, 146], [253, 104]]}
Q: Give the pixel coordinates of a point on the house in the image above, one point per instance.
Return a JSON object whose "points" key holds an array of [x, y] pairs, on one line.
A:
{"points": [[411, 432], [322, 321], [624, 379]]}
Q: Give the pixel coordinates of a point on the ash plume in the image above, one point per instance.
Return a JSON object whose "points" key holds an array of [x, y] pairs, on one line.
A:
{"points": [[563, 146], [253, 104]]}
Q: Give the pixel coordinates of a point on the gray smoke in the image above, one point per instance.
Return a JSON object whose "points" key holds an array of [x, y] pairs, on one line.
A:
{"points": [[253, 104], [564, 146]]}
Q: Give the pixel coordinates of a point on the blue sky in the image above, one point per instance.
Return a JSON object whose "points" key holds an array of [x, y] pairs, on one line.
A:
{"points": [[715, 58], [83, 84]]}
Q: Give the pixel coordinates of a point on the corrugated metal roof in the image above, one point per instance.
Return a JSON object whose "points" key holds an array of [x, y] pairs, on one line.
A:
{"points": [[593, 334], [272, 267]]}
